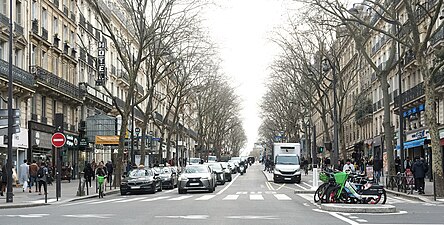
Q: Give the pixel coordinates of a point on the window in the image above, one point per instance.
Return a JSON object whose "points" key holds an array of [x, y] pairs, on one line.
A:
{"points": [[72, 6], [18, 12], [44, 60], [33, 55], [2, 49], [65, 33], [18, 58], [44, 18], [55, 26], [3, 7], [72, 39], [54, 108], [72, 120], [34, 10], [43, 106]]}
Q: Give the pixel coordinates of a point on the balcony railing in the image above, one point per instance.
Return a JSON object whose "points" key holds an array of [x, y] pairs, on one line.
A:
{"points": [[56, 41], [35, 26], [44, 120], [34, 117], [73, 52], [4, 19], [139, 88], [91, 60], [66, 47], [158, 116], [408, 58], [90, 28], [411, 94], [18, 28], [19, 75], [123, 75], [44, 34], [437, 37], [56, 82]]}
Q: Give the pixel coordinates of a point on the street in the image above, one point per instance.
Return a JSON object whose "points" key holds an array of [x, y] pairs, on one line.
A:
{"points": [[248, 199]]}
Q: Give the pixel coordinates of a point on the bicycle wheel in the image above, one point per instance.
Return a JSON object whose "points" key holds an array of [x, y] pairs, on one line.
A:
{"points": [[332, 195], [382, 198], [320, 192]]}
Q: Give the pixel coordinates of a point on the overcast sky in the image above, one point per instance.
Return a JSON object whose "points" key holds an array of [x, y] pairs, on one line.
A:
{"points": [[242, 29]]}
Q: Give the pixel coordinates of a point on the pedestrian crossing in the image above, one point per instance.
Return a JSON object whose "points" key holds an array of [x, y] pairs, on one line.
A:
{"points": [[251, 196]]}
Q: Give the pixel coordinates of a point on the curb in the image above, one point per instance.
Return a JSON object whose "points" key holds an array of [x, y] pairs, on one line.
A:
{"points": [[115, 191], [413, 197], [347, 208], [304, 191], [23, 205]]}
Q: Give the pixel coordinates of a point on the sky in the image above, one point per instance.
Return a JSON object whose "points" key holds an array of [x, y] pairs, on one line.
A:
{"points": [[242, 29]]}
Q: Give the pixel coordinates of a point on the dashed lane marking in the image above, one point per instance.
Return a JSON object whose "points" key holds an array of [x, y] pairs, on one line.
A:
{"points": [[205, 197], [300, 186], [280, 187], [256, 197], [231, 197], [281, 197], [156, 198], [180, 198]]}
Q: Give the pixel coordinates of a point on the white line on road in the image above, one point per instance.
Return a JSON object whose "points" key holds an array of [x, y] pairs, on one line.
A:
{"points": [[309, 186], [105, 201], [347, 220], [80, 202], [192, 217], [362, 220], [241, 193], [180, 198], [156, 198], [301, 186], [256, 197], [205, 197], [353, 217], [130, 200], [281, 197], [280, 187], [308, 197], [226, 187], [270, 187], [231, 197], [169, 191]]}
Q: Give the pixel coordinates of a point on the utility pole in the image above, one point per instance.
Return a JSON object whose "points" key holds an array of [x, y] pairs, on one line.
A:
{"points": [[9, 194], [335, 117]]}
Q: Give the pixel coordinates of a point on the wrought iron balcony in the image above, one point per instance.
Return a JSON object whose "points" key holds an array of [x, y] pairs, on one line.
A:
{"points": [[18, 29], [123, 75], [158, 116], [437, 37], [91, 60], [19, 75], [55, 82], [73, 52], [408, 58], [56, 41], [35, 26], [34, 117], [44, 33], [140, 88], [66, 47], [44, 120], [410, 95], [4, 19]]}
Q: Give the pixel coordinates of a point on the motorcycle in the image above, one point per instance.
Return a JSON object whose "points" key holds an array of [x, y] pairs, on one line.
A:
{"points": [[242, 169]]}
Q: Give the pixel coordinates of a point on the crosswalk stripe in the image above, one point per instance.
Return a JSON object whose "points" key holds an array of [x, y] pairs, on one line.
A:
{"points": [[256, 197], [205, 197], [301, 186], [281, 197], [231, 197], [308, 197], [180, 198], [105, 201], [309, 186], [241, 192], [130, 200], [154, 199]]}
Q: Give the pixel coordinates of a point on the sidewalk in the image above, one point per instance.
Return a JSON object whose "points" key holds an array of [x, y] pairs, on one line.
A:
{"points": [[68, 193], [427, 197]]}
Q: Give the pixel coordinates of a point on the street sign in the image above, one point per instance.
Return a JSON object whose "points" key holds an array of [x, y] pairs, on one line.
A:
{"points": [[137, 130], [58, 140]]}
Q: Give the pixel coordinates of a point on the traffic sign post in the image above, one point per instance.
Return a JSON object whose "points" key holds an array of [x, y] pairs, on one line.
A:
{"points": [[58, 140]]}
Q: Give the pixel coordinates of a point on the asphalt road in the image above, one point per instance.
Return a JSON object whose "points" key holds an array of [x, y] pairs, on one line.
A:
{"points": [[249, 199]]}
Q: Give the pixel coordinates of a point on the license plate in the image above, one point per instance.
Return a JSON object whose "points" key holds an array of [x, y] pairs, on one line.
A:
{"points": [[135, 187], [194, 184], [287, 178]]}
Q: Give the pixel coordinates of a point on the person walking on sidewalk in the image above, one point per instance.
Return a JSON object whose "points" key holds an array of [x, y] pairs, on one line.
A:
{"points": [[419, 169], [88, 173], [110, 170], [42, 177], [24, 175], [3, 180], [33, 168]]}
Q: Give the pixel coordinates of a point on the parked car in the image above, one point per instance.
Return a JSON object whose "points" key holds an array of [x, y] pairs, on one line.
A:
{"points": [[168, 176], [220, 173], [233, 166], [141, 180], [197, 177], [212, 158], [227, 170], [194, 161]]}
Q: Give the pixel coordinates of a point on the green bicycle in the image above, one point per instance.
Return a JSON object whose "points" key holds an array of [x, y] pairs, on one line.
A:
{"points": [[100, 180]]}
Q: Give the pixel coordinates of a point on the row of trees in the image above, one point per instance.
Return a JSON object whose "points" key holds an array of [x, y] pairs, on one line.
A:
{"points": [[163, 41], [303, 76]]}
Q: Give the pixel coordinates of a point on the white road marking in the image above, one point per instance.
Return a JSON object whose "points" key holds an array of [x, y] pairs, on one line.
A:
{"points": [[347, 220], [192, 217], [259, 192], [298, 185], [270, 192], [309, 186], [231, 197], [256, 197], [100, 216], [130, 200], [43, 201], [180, 198], [362, 220], [253, 217], [169, 191], [280, 187], [226, 187], [281, 197], [105, 201], [353, 217], [27, 215], [156, 198], [305, 204], [241, 192], [308, 197], [205, 197], [80, 202]]}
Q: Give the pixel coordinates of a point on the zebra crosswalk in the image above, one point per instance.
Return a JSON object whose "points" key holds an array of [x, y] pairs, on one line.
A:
{"points": [[251, 196]]}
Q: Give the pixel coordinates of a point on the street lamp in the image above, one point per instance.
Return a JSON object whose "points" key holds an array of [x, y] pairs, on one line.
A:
{"points": [[327, 65], [9, 194]]}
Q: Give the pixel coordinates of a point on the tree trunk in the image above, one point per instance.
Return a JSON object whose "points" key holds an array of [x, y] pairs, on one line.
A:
{"points": [[388, 129], [168, 147], [343, 153], [119, 158], [143, 140], [430, 110]]}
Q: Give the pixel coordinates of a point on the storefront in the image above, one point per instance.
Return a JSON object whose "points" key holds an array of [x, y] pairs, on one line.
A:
{"points": [[40, 147], [416, 144], [19, 145]]}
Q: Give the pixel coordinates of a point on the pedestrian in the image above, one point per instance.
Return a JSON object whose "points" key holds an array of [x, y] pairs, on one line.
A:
{"points": [[93, 167], [33, 168], [377, 169], [24, 175], [398, 165], [407, 163], [4, 180], [348, 167], [419, 169], [306, 167], [88, 173], [267, 164], [110, 170], [338, 166], [42, 177]]}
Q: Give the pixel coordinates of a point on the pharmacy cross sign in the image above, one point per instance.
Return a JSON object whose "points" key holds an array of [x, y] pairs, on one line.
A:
{"points": [[58, 140]]}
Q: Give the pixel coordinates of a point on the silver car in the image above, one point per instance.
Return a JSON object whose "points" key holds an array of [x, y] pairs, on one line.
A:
{"points": [[197, 177]]}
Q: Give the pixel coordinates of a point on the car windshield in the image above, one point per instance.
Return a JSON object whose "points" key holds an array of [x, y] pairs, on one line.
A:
{"points": [[196, 169], [140, 173], [194, 160], [165, 170], [216, 166], [211, 158], [287, 160], [235, 158]]}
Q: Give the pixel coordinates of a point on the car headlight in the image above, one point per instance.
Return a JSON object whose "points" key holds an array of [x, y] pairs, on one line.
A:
{"points": [[276, 171]]}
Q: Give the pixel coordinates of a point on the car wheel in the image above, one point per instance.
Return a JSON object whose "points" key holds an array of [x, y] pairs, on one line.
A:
{"points": [[211, 189], [122, 193], [182, 191], [153, 189]]}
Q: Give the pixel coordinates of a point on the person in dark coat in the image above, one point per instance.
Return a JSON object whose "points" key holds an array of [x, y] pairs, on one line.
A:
{"points": [[88, 173], [419, 169], [397, 164], [110, 170], [4, 179]]}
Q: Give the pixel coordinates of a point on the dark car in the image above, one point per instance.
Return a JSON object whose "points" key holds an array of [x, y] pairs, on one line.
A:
{"points": [[141, 180], [219, 170], [168, 176], [197, 177]]}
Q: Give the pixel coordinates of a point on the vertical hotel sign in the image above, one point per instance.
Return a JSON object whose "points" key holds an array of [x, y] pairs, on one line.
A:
{"points": [[101, 68]]}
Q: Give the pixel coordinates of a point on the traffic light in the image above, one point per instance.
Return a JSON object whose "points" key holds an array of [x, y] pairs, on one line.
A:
{"points": [[320, 149]]}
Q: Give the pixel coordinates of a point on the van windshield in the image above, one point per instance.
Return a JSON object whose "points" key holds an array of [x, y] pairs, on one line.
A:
{"points": [[287, 160]]}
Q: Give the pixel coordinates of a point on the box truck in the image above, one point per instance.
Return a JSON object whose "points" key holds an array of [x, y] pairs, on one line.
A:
{"points": [[286, 158]]}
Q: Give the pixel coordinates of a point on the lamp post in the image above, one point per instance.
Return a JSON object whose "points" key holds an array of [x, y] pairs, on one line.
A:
{"points": [[326, 67], [9, 194]]}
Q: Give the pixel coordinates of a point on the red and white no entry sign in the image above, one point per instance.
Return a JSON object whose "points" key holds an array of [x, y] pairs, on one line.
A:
{"points": [[58, 140]]}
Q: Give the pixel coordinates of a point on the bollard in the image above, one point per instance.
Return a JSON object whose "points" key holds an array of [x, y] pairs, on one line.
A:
{"points": [[81, 190], [434, 187], [315, 178], [46, 191], [97, 187]]}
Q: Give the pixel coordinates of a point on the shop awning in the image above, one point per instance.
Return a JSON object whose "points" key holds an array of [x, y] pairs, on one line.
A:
{"points": [[107, 140], [412, 144]]}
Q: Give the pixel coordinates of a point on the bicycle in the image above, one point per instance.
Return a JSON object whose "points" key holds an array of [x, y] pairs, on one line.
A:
{"points": [[101, 180], [327, 177]]}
